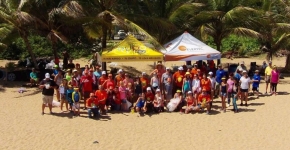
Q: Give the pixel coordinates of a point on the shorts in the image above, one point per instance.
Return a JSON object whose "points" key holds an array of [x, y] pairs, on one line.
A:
{"points": [[47, 99], [76, 105], [223, 93], [155, 87], [35, 79], [62, 97], [123, 101], [86, 95], [244, 90], [268, 79], [255, 89]]}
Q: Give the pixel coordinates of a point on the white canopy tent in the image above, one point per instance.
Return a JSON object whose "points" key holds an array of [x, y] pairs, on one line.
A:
{"points": [[187, 48]]}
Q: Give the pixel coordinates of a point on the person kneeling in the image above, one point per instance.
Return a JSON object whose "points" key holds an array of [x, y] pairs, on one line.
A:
{"points": [[158, 102], [141, 104], [191, 103], [204, 101], [92, 104]]}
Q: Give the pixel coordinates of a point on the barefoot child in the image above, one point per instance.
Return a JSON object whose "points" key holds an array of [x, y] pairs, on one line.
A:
{"points": [[223, 89], [69, 92], [76, 95], [62, 90], [141, 104]]}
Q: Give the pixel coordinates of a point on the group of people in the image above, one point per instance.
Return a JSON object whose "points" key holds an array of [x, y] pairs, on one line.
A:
{"points": [[186, 90]]}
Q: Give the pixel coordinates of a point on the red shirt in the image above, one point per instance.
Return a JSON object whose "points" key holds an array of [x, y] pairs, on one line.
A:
{"points": [[101, 95], [178, 78], [102, 79], [117, 98], [149, 96], [144, 82], [87, 82], [91, 101]]}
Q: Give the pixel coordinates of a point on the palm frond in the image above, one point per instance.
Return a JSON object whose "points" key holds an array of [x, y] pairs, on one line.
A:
{"points": [[240, 13], [282, 41], [240, 31], [53, 35], [70, 9]]}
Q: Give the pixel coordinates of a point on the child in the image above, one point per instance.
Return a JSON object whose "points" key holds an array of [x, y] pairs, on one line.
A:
{"points": [[223, 89], [158, 101], [141, 104], [69, 92], [92, 104], [117, 100], [76, 96], [191, 102], [154, 82], [62, 90], [256, 81]]}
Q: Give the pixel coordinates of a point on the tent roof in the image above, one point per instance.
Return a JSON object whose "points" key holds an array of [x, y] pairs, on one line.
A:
{"points": [[187, 48], [130, 49]]}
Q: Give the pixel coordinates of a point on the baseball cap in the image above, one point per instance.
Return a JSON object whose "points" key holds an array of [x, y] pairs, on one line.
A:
{"points": [[143, 73], [120, 70], [223, 78], [75, 70], [148, 89], [187, 73], [180, 68], [244, 71], [55, 66], [189, 92], [47, 75], [240, 69], [103, 72], [158, 90], [256, 70], [178, 91], [167, 68], [210, 73], [242, 62]]}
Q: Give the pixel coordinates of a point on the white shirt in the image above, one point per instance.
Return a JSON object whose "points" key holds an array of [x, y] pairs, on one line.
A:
{"points": [[212, 81], [195, 83], [245, 82]]}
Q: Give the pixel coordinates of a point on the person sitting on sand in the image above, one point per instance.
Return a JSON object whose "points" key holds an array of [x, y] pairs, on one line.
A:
{"points": [[62, 90], [178, 95], [149, 99], [158, 102], [204, 101], [140, 105], [191, 102], [102, 97], [92, 104], [33, 78], [47, 85], [76, 96]]}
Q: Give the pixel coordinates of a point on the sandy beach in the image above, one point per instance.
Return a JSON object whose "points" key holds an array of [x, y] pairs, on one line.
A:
{"points": [[264, 124]]}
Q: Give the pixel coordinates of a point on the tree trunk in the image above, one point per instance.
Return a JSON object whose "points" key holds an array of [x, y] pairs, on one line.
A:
{"points": [[287, 65], [104, 45], [28, 47], [54, 49], [218, 47]]}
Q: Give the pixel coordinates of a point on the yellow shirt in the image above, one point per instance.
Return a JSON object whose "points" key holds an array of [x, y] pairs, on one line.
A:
{"points": [[268, 71]]}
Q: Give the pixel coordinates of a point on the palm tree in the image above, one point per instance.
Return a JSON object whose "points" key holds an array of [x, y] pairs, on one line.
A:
{"points": [[221, 18]]}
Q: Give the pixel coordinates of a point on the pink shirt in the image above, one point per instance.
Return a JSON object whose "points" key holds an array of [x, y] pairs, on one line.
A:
{"points": [[122, 91], [127, 81], [274, 76], [230, 85]]}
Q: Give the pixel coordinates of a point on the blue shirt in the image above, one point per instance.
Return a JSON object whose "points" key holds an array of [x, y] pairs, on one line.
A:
{"points": [[256, 77], [98, 74], [238, 76], [219, 75], [55, 72]]}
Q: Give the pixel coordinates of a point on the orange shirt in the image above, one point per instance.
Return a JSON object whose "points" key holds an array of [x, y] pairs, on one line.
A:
{"points": [[190, 101], [144, 82], [118, 78], [202, 97], [102, 79], [101, 95], [92, 100], [193, 71], [205, 84], [178, 78]]}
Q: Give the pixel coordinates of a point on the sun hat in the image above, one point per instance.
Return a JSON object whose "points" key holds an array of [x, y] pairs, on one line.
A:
{"points": [[210, 73], [47, 75], [148, 89], [180, 68], [178, 91], [103, 72], [187, 73], [223, 78], [76, 88]]}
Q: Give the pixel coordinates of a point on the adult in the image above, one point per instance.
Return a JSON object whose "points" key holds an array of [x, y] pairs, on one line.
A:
{"points": [[65, 59], [47, 85], [154, 82], [244, 88], [205, 84], [91, 73], [92, 104], [86, 69], [268, 72], [238, 74], [178, 79], [58, 80], [166, 81], [68, 75], [219, 74], [160, 69], [75, 80], [230, 85], [144, 81], [119, 77], [87, 86], [274, 80], [223, 89], [70, 64], [33, 77], [103, 78], [242, 66], [97, 74], [194, 70]]}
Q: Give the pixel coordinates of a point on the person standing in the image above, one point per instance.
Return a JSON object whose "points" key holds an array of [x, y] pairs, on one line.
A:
{"points": [[219, 74], [274, 80], [268, 72], [33, 77], [119, 77], [58, 80], [65, 59], [213, 82], [71, 65], [167, 84], [87, 86], [47, 85], [178, 79], [144, 82], [244, 88], [187, 83], [256, 81]]}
